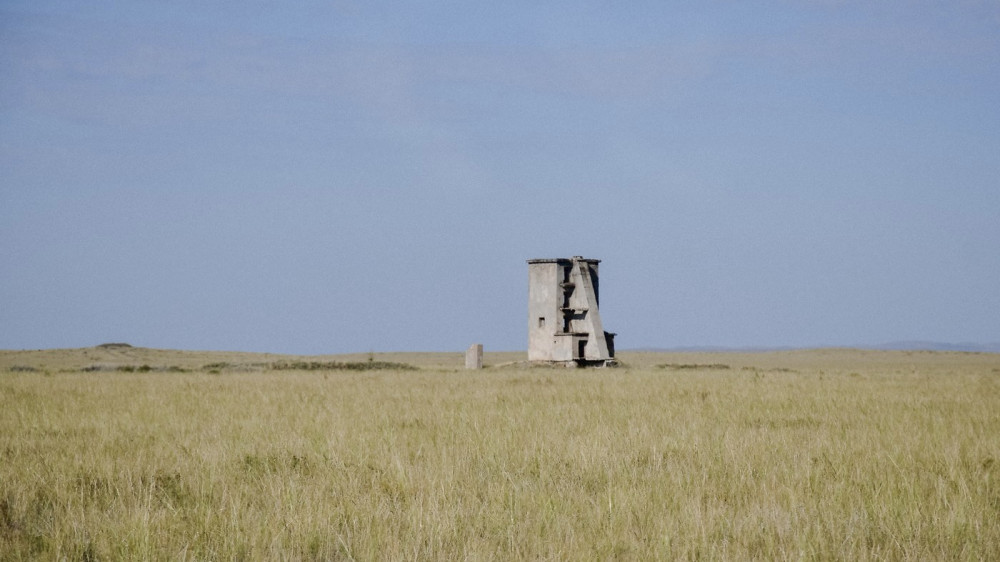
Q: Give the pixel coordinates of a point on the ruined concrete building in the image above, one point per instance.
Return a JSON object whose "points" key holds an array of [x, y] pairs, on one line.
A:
{"points": [[564, 323]]}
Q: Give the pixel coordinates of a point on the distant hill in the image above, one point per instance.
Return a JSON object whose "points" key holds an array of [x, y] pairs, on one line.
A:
{"points": [[937, 346]]}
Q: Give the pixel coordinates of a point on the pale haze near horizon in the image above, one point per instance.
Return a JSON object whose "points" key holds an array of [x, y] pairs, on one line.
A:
{"points": [[327, 177]]}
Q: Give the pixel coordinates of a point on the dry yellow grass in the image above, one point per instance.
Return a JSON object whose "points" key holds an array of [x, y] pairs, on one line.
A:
{"points": [[827, 454]]}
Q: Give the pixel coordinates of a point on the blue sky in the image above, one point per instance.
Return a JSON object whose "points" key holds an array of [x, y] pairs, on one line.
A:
{"points": [[325, 177]]}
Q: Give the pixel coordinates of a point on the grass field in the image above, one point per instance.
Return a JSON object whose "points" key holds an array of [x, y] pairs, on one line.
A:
{"points": [[127, 453]]}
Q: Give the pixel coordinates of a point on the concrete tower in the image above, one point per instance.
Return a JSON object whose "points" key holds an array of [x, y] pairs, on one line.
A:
{"points": [[564, 323]]}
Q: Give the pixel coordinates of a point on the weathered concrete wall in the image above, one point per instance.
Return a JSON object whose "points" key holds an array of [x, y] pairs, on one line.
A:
{"points": [[544, 317]]}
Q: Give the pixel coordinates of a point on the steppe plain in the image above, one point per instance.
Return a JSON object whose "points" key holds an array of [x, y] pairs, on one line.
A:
{"points": [[118, 452]]}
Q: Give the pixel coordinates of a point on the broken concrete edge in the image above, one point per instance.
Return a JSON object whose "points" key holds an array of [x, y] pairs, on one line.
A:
{"points": [[564, 261], [601, 363]]}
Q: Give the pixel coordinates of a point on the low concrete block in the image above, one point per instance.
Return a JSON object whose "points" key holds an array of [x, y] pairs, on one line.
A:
{"points": [[474, 356]]}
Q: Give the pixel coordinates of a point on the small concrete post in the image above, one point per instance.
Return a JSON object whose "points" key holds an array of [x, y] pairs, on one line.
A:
{"points": [[474, 356]]}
